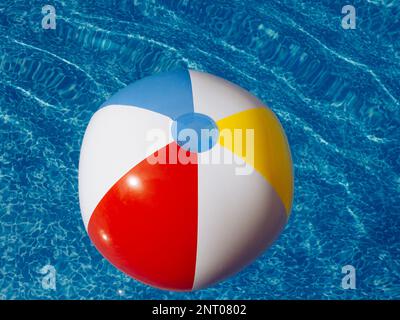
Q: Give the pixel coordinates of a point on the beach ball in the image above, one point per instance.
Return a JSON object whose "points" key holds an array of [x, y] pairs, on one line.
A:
{"points": [[184, 179]]}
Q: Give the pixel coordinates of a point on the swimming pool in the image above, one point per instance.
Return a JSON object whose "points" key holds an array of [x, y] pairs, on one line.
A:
{"points": [[335, 91]]}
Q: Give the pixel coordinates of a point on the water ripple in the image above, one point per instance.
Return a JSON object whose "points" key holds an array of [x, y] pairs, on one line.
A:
{"points": [[335, 91]]}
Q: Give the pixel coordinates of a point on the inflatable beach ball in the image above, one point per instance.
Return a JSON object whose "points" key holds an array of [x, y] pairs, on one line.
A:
{"points": [[184, 179]]}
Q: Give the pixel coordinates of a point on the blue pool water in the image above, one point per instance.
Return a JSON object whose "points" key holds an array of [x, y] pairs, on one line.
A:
{"points": [[336, 92]]}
